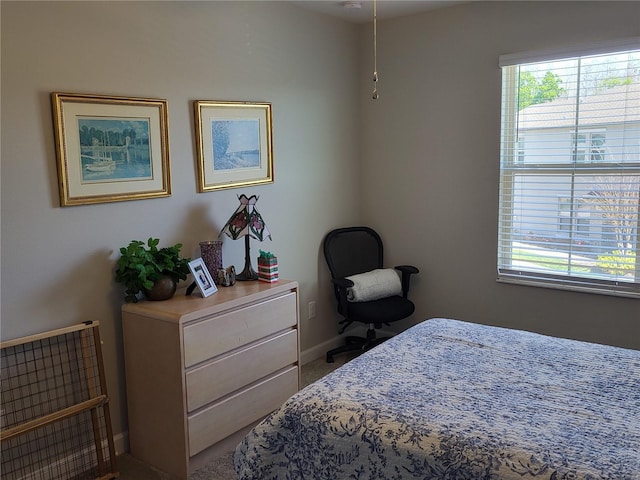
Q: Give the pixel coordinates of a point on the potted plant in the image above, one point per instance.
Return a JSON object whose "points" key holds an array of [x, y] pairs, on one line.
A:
{"points": [[152, 270]]}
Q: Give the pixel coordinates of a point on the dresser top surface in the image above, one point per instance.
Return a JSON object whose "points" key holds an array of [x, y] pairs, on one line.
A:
{"points": [[183, 307]]}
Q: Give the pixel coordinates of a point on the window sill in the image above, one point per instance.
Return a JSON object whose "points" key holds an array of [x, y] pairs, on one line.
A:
{"points": [[615, 291]]}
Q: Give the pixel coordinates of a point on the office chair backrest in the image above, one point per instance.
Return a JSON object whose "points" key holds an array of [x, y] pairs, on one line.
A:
{"points": [[352, 250]]}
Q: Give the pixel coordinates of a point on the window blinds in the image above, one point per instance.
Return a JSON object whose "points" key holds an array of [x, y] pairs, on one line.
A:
{"points": [[570, 169]]}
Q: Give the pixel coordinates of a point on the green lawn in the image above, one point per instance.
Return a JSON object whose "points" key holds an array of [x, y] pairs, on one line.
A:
{"points": [[559, 263]]}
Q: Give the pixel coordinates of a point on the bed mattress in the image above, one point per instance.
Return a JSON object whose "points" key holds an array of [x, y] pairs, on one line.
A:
{"points": [[448, 399]]}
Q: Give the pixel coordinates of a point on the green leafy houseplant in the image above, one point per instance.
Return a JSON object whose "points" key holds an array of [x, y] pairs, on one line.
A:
{"points": [[140, 266]]}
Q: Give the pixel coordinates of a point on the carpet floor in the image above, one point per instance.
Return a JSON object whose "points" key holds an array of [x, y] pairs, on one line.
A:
{"points": [[221, 468]]}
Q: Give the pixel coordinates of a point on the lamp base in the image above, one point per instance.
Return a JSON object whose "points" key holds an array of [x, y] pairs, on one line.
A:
{"points": [[248, 273]]}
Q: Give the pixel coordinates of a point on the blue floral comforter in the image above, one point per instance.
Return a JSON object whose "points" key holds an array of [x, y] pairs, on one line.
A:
{"points": [[453, 400]]}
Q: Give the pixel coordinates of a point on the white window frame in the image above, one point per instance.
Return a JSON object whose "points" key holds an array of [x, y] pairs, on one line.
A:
{"points": [[512, 165], [588, 150]]}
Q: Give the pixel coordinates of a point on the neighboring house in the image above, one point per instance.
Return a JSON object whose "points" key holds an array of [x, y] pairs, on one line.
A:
{"points": [[579, 180]]}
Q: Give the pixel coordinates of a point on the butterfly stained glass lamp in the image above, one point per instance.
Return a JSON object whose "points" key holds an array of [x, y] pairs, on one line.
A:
{"points": [[246, 222]]}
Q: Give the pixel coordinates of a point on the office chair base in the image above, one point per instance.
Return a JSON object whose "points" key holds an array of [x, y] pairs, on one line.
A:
{"points": [[354, 344]]}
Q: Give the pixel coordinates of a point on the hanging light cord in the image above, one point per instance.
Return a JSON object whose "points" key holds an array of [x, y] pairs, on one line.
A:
{"points": [[375, 95]]}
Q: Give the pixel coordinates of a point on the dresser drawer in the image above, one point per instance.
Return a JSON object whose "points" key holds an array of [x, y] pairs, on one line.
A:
{"points": [[235, 412], [219, 334], [226, 374]]}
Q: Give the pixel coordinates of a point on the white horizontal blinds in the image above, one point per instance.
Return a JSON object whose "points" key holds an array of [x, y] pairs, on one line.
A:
{"points": [[570, 172]]}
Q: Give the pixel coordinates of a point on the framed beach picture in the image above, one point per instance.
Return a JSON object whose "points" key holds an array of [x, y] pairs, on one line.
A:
{"points": [[234, 144], [110, 149], [202, 277]]}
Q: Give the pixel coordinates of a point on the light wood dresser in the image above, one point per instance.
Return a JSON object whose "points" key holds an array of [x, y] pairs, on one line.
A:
{"points": [[201, 371]]}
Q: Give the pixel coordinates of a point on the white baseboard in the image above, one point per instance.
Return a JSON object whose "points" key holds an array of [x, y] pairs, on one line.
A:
{"points": [[121, 442], [320, 350]]}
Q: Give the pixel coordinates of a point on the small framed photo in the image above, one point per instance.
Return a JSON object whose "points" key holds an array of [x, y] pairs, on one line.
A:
{"points": [[234, 144], [202, 277], [110, 149]]}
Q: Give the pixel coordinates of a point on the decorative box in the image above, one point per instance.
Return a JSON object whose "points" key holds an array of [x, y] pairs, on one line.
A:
{"points": [[268, 269]]}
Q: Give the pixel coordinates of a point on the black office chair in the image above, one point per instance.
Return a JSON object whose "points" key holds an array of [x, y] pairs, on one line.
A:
{"points": [[356, 250]]}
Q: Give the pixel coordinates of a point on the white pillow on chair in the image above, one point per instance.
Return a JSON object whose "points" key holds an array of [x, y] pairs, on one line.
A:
{"points": [[373, 285]]}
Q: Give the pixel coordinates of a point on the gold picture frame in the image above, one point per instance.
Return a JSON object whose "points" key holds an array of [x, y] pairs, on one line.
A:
{"points": [[234, 144], [110, 149]]}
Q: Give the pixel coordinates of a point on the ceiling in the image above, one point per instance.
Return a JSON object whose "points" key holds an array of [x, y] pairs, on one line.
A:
{"points": [[361, 11]]}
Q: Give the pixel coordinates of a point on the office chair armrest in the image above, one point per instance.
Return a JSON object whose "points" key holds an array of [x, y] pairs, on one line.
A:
{"points": [[342, 283], [407, 271], [407, 268]]}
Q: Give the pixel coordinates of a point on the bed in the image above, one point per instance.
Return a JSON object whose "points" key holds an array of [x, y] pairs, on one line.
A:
{"points": [[453, 400]]}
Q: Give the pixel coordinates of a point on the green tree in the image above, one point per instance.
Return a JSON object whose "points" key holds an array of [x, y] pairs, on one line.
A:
{"points": [[527, 88], [614, 82], [549, 89], [616, 198], [532, 91]]}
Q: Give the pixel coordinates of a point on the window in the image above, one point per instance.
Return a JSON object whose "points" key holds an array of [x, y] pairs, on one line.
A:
{"points": [[520, 157], [597, 147], [588, 146], [570, 169]]}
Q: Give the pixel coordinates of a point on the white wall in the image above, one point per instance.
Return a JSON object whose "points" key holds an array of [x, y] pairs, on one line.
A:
{"points": [[431, 159], [57, 263]]}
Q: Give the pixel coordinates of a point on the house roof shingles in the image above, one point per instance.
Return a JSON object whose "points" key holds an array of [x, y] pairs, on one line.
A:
{"points": [[611, 106]]}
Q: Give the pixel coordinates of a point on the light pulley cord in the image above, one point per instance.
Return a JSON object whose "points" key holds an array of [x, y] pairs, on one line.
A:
{"points": [[375, 95]]}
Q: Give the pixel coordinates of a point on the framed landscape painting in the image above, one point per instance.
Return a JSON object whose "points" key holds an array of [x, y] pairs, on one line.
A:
{"points": [[110, 149], [234, 144]]}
